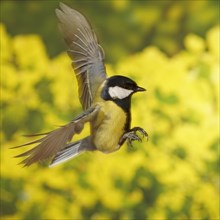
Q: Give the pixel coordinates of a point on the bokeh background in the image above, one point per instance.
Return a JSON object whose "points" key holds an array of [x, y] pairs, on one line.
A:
{"points": [[169, 47]]}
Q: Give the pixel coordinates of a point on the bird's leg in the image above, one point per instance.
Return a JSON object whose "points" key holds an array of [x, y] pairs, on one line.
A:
{"points": [[131, 135]]}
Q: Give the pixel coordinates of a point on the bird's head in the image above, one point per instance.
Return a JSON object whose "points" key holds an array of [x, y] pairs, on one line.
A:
{"points": [[119, 88]]}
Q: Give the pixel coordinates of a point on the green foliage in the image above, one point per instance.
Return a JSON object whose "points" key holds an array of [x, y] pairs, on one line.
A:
{"points": [[123, 26], [172, 176]]}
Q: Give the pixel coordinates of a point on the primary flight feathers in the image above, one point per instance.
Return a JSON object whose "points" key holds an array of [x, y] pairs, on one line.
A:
{"points": [[87, 55], [57, 140]]}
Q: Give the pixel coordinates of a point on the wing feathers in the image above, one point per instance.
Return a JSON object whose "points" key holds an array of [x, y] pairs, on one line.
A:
{"points": [[49, 145], [54, 141], [85, 52]]}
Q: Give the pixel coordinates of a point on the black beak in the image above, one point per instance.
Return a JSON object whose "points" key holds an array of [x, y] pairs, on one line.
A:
{"points": [[140, 89]]}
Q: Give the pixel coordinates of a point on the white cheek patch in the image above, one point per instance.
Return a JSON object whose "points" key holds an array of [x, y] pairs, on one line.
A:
{"points": [[117, 92]]}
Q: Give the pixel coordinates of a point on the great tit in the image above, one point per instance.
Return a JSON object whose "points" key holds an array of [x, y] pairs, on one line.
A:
{"points": [[106, 101]]}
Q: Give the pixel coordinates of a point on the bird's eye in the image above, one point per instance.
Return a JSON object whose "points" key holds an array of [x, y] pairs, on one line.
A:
{"points": [[129, 85]]}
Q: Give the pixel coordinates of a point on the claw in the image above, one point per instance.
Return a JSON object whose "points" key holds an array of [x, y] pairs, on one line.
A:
{"points": [[132, 136], [141, 130]]}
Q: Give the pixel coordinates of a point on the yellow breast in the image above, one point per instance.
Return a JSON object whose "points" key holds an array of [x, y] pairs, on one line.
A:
{"points": [[109, 127]]}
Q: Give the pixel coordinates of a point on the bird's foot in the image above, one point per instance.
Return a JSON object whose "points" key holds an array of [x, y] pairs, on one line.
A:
{"points": [[131, 135], [141, 130]]}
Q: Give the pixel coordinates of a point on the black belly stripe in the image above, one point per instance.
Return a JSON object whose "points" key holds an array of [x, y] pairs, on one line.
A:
{"points": [[128, 122]]}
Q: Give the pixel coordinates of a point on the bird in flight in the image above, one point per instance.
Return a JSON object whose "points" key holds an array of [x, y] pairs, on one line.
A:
{"points": [[106, 101]]}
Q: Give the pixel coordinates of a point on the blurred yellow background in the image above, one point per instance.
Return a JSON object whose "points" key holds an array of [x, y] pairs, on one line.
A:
{"points": [[175, 175]]}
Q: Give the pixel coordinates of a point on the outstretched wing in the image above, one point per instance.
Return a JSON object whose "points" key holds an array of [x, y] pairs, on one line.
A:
{"points": [[56, 140], [85, 52]]}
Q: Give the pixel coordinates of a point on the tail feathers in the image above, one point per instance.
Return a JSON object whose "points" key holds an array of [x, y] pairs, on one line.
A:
{"points": [[72, 150]]}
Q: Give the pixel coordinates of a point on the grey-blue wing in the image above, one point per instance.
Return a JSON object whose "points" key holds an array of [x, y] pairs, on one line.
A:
{"points": [[85, 52]]}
